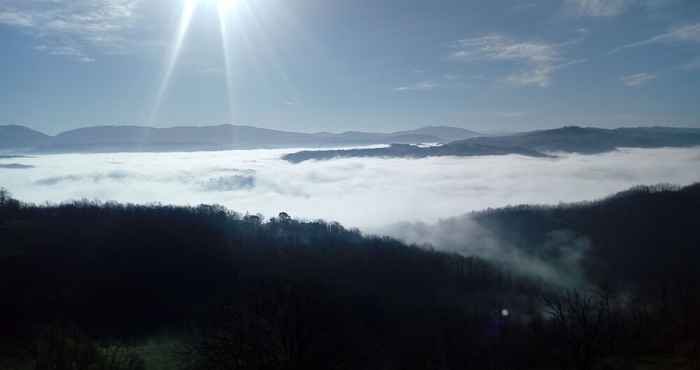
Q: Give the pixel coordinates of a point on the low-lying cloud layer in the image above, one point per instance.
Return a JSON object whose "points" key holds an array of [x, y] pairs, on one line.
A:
{"points": [[365, 193], [556, 261], [421, 201]]}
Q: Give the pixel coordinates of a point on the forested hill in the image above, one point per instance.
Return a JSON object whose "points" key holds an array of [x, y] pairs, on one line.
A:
{"points": [[457, 149], [236, 291], [132, 272], [591, 140], [540, 143], [634, 238]]}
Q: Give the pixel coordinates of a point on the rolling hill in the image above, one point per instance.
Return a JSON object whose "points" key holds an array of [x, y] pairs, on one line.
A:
{"points": [[192, 138], [14, 136], [541, 143]]}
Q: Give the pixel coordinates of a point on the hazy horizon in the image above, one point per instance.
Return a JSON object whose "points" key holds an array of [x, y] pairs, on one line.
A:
{"points": [[485, 132]]}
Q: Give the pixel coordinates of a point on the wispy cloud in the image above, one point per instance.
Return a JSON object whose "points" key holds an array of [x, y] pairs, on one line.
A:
{"points": [[692, 65], [541, 58], [65, 50], [13, 18], [686, 33], [499, 47], [420, 86], [637, 80], [72, 28], [599, 8]]}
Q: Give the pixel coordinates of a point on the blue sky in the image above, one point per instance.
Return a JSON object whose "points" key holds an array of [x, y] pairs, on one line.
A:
{"points": [[323, 65]]}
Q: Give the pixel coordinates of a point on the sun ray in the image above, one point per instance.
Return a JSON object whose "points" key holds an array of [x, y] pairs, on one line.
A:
{"points": [[276, 74], [223, 8], [183, 27]]}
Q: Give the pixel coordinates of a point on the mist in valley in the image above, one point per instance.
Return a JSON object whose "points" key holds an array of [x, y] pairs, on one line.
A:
{"points": [[426, 202], [367, 193]]}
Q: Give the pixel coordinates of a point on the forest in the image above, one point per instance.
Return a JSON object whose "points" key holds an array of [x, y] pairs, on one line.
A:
{"points": [[93, 285]]}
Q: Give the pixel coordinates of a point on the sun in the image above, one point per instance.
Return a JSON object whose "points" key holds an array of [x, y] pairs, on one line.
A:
{"points": [[225, 8], [225, 4]]}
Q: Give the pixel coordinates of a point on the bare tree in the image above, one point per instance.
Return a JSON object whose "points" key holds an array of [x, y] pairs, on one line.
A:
{"points": [[582, 322]]}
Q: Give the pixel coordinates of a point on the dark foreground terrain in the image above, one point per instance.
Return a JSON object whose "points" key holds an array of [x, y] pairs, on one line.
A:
{"points": [[113, 286]]}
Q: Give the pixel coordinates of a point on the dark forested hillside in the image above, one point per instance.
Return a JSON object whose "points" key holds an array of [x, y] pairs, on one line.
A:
{"points": [[88, 284], [636, 237], [127, 271]]}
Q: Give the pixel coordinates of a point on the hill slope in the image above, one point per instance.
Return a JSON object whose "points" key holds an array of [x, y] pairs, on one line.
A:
{"points": [[312, 295], [446, 133], [643, 236], [20, 137], [587, 140], [536, 143]]}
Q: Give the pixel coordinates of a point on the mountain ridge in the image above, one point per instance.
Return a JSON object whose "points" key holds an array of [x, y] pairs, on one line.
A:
{"points": [[11, 134], [540, 143], [190, 138]]}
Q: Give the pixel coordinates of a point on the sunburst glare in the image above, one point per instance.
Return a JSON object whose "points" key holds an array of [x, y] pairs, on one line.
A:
{"points": [[224, 6], [183, 27]]}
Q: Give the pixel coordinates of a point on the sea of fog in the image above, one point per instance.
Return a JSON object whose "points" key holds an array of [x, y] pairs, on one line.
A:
{"points": [[365, 193]]}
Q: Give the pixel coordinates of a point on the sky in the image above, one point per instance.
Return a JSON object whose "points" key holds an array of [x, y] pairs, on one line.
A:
{"points": [[373, 65]]}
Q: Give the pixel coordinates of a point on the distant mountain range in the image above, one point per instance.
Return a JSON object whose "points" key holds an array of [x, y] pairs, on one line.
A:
{"points": [[15, 137], [589, 140], [137, 138], [542, 143], [452, 141]]}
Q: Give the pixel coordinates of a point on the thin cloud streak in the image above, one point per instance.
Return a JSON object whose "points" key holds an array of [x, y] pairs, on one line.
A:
{"points": [[687, 33], [637, 80], [599, 8], [420, 86]]}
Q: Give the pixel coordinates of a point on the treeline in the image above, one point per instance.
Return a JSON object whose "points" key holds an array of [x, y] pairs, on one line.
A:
{"points": [[465, 148], [83, 283], [638, 239]]}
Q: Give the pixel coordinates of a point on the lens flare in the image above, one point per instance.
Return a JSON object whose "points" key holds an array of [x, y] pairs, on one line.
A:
{"points": [[185, 21]]}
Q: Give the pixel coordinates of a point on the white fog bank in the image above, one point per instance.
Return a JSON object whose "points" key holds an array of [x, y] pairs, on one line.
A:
{"points": [[363, 192]]}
